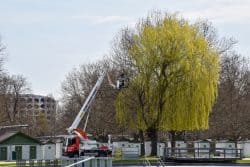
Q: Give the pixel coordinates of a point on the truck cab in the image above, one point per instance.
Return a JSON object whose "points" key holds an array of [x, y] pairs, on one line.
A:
{"points": [[71, 146]]}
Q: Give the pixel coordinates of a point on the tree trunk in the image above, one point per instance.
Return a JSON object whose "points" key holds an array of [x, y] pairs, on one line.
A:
{"points": [[236, 143], [153, 135], [173, 139], [142, 140]]}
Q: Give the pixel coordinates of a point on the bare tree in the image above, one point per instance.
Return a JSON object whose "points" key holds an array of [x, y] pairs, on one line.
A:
{"points": [[2, 55], [222, 45], [11, 89], [75, 90], [42, 127], [231, 116]]}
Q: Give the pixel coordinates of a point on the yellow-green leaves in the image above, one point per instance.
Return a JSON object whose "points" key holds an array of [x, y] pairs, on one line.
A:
{"points": [[177, 77]]}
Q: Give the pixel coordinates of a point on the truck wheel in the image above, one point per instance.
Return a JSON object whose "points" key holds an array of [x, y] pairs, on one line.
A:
{"points": [[102, 154], [76, 155], [71, 156]]}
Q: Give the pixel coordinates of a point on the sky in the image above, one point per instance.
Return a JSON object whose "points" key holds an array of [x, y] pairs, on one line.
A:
{"points": [[46, 39]]}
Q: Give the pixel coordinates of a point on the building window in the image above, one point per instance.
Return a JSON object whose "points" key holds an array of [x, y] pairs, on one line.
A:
{"points": [[23, 99], [36, 112], [42, 100], [32, 152], [36, 100], [29, 106], [30, 100], [36, 106]]}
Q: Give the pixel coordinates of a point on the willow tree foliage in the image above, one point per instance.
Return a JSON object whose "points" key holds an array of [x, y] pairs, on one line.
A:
{"points": [[177, 73]]}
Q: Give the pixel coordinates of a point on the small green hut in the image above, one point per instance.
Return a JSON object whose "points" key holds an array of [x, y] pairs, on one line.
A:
{"points": [[17, 145]]}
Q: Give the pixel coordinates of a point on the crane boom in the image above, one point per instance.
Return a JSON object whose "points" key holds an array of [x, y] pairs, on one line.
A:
{"points": [[87, 103], [77, 143]]}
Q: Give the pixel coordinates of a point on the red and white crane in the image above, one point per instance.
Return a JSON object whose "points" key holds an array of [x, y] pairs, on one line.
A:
{"points": [[77, 142]]}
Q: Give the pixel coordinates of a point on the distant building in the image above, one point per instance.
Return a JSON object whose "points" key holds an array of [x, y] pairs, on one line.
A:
{"points": [[32, 105], [33, 114]]}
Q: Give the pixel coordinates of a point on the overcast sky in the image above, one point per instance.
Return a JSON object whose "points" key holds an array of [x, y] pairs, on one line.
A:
{"points": [[45, 39]]}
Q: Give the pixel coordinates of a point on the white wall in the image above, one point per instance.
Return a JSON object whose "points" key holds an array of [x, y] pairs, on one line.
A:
{"points": [[202, 145], [49, 151], [25, 151], [42, 152], [224, 145], [245, 145], [59, 148], [131, 152], [126, 147], [227, 145], [39, 152], [148, 148], [137, 147], [202, 149], [9, 154], [120, 144], [181, 144], [160, 149]]}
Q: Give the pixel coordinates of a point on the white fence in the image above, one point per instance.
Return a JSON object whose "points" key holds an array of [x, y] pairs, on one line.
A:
{"points": [[68, 162], [91, 162]]}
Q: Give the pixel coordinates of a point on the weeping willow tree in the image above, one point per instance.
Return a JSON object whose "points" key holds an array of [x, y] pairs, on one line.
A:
{"points": [[176, 77]]}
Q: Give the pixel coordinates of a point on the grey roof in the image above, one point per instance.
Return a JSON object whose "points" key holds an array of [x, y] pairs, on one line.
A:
{"points": [[7, 135]]}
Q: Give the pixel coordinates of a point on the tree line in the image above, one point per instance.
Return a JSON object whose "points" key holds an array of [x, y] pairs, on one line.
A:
{"points": [[185, 83]]}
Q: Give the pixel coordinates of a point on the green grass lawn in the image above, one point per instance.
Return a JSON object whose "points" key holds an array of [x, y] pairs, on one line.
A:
{"points": [[7, 164], [13, 163], [243, 161]]}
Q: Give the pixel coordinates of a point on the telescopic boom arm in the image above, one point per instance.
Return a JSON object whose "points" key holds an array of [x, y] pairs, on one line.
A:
{"points": [[121, 83], [86, 104]]}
